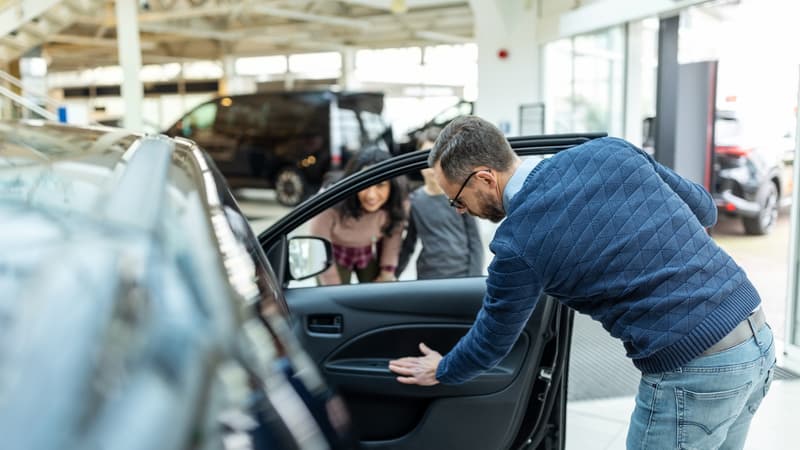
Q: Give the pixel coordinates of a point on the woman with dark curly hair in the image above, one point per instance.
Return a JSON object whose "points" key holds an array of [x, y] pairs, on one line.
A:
{"points": [[365, 229]]}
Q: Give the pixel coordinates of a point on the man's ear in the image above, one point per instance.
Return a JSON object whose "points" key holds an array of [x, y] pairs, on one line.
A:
{"points": [[486, 176]]}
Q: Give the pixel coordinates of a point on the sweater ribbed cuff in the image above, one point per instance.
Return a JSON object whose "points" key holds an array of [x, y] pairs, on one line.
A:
{"points": [[441, 371]]}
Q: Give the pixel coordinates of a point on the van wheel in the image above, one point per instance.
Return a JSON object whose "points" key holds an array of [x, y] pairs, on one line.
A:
{"points": [[291, 186], [765, 221]]}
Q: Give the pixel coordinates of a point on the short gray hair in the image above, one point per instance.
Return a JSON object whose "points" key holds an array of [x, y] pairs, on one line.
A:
{"points": [[468, 142]]}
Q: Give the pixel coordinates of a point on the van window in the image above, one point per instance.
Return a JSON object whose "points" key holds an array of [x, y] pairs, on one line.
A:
{"points": [[242, 114], [350, 129], [202, 118], [293, 115], [373, 124]]}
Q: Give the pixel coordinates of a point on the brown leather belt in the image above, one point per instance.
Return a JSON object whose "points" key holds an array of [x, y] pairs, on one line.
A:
{"points": [[741, 333]]}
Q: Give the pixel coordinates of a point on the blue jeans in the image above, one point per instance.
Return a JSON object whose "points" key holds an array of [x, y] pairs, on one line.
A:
{"points": [[706, 404]]}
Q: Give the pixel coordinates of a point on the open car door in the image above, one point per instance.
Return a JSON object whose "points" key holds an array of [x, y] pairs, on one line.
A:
{"points": [[352, 331]]}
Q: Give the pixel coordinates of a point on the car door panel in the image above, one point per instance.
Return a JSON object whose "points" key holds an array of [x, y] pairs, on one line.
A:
{"points": [[352, 331], [378, 322], [370, 372]]}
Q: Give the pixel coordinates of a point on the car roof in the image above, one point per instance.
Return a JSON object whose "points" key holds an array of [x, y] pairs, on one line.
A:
{"points": [[61, 186], [305, 92], [112, 267]]}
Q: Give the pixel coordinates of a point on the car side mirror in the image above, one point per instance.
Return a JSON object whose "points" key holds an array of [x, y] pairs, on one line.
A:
{"points": [[309, 256]]}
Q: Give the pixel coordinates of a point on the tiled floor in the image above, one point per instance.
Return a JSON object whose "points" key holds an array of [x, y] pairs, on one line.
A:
{"points": [[603, 424]]}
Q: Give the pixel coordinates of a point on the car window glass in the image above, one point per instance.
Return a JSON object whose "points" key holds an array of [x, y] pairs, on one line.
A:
{"points": [[241, 115], [291, 115], [728, 131], [464, 232], [373, 124], [200, 119], [350, 130], [270, 299]]}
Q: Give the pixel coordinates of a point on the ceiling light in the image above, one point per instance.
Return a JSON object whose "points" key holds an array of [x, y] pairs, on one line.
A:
{"points": [[398, 6]]}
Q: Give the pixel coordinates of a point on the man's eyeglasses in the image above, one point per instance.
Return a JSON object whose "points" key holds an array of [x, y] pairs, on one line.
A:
{"points": [[456, 202]]}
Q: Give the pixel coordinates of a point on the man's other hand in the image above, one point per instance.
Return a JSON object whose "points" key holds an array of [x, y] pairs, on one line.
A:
{"points": [[419, 370]]}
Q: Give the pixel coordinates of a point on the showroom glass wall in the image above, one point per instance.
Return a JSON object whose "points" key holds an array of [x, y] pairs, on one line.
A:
{"points": [[419, 82], [584, 83], [792, 347], [755, 42]]}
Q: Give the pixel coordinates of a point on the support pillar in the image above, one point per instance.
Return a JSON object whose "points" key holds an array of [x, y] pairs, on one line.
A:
{"points": [[228, 81], [348, 80], [792, 334], [130, 60], [667, 91], [633, 84], [232, 83]]}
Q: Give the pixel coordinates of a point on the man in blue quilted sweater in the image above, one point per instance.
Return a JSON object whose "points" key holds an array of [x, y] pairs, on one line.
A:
{"points": [[613, 234]]}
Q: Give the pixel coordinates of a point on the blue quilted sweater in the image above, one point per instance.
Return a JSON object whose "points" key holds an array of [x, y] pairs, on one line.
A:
{"points": [[615, 235]]}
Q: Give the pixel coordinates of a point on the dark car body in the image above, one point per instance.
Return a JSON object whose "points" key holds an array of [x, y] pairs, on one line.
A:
{"points": [[288, 141], [137, 308], [750, 176]]}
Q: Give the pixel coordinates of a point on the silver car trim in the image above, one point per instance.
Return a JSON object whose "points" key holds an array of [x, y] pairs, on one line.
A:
{"points": [[136, 199]]}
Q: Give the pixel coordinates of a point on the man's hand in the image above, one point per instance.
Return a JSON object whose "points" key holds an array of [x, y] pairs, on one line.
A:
{"points": [[419, 370]]}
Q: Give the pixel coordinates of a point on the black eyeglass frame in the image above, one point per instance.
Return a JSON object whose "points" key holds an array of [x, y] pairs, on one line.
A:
{"points": [[456, 202]]}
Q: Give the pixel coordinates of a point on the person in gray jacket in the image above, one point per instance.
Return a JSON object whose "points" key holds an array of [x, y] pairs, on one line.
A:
{"points": [[451, 244]]}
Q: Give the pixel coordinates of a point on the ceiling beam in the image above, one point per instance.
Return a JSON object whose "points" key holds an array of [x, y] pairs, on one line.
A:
{"points": [[381, 5], [31, 29], [189, 32], [15, 42], [108, 19], [444, 37], [20, 12], [257, 27], [93, 41], [226, 10], [234, 36], [310, 17], [183, 13]]}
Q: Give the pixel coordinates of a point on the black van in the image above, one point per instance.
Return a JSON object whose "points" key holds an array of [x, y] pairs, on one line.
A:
{"points": [[285, 140]]}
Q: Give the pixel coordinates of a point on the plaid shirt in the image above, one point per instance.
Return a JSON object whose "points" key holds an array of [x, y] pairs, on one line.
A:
{"points": [[358, 257]]}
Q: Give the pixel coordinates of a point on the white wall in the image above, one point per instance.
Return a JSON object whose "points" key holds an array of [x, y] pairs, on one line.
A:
{"points": [[505, 84]]}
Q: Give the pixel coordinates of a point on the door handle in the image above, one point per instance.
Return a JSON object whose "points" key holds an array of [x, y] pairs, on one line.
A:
{"points": [[325, 323]]}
